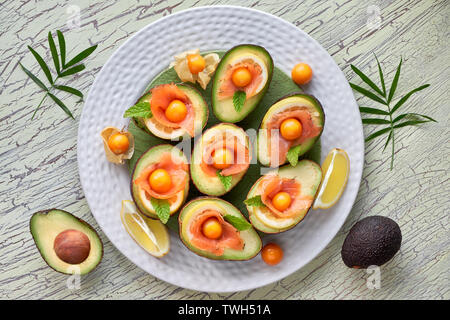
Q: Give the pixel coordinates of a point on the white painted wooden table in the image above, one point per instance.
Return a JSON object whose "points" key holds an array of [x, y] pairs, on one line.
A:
{"points": [[39, 168]]}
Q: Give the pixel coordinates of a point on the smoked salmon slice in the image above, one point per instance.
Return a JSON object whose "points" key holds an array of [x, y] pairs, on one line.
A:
{"points": [[177, 170], [227, 87], [161, 97], [279, 146], [272, 184], [241, 155], [230, 237]]}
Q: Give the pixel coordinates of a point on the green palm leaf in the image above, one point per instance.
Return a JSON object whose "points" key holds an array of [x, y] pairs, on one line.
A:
{"points": [[367, 93], [373, 111], [54, 52], [375, 121], [394, 82], [409, 119], [62, 69], [61, 104], [34, 78], [81, 56], [377, 133], [62, 47], [406, 97], [380, 72], [43, 65], [366, 80], [73, 70]]}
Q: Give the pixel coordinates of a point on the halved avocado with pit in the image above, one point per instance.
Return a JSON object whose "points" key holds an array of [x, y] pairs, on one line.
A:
{"points": [[212, 185], [224, 109], [140, 196], [252, 241], [66, 243], [201, 112], [308, 174], [310, 103]]}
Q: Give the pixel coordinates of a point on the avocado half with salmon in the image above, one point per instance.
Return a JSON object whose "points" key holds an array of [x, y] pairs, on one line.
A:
{"points": [[220, 159], [280, 199], [247, 68], [66, 243], [160, 174], [177, 110], [296, 120], [233, 237]]}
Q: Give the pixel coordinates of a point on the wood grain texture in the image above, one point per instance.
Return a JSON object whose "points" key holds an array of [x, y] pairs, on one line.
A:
{"points": [[39, 168]]}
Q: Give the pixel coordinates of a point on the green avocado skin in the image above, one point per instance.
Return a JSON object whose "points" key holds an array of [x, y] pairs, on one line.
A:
{"points": [[205, 184], [371, 241], [152, 155], [44, 246], [190, 91], [308, 143]]}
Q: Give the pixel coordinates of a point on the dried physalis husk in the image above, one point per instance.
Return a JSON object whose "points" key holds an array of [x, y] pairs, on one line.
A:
{"points": [[110, 155], [182, 68]]}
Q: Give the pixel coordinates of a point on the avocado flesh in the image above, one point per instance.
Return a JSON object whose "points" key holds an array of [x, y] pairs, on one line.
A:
{"points": [[224, 109], [308, 174], [212, 185], [373, 240], [200, 114], [45, 226], [148, 158], [295, 100], [252, 241]]}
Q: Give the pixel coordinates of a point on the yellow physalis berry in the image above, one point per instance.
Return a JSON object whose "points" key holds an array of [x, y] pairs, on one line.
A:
{"points": [[196, 63], [118, 143], [301, 73], [222, 158], [281, 201], [160, 181], [272, 254], [212, 229], [176, 111], [241, 77], [291, 129]]}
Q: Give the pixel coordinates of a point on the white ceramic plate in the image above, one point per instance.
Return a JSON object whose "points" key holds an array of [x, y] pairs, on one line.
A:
{"points": [[126, 75]]}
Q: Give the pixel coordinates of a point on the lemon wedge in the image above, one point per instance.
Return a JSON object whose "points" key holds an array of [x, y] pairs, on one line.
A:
{"points": [[335, 168], [152, 235]]}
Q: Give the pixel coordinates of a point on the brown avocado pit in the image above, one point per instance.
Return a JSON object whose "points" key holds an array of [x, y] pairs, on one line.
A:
{"points": [[72, 246], [372, 241]]}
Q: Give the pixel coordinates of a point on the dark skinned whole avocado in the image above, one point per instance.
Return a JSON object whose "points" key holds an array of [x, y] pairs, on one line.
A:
{"points": [[371, 241]]}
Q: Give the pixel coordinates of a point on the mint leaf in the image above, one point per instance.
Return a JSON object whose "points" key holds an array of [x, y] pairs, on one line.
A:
{"points": [[226, 180], [239, 100], [239, 223], [139, 110], [292, 155], [254, 201], [162, 208]]}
